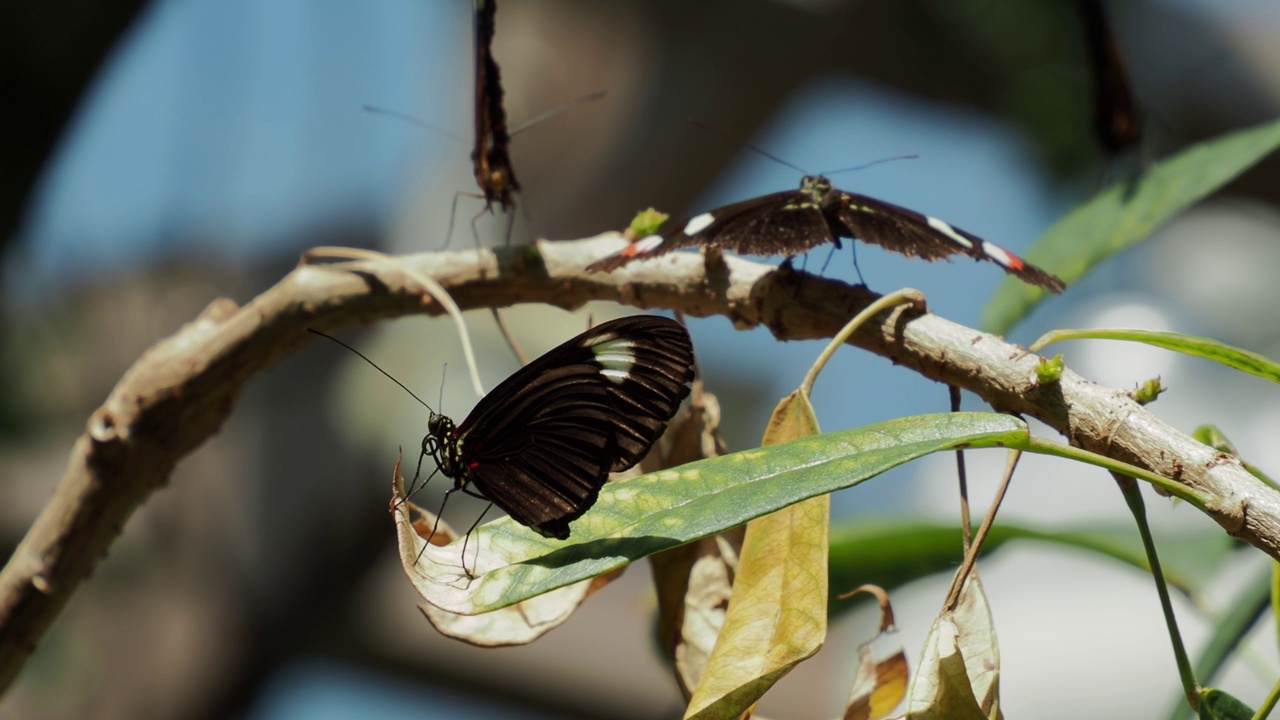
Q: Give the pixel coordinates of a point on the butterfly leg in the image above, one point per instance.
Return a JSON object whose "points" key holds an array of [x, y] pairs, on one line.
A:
{"points": [[467, 538], [511, 225], [453, 214], [436, 526], [475, 231], [854, 248], [830, 254]]}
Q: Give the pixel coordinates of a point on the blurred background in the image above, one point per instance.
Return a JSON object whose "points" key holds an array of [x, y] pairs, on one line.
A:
{"points": [[160, 155]]}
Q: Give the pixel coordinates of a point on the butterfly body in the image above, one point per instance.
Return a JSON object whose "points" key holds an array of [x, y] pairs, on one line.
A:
{"points": [[543, 442], [796, 221], [490, 159]]}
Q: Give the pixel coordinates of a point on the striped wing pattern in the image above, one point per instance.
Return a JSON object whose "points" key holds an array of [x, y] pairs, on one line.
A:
{"points": [[788, 223], [544, 441], [914, 234], [796, 221]]}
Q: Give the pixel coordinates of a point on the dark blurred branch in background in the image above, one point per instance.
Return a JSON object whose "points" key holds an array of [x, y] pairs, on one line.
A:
{"points": [[49, 54]]}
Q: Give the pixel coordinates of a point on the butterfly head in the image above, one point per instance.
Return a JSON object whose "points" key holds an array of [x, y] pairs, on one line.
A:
{"points": [[441, 443], [815, 186], [497, 180]]}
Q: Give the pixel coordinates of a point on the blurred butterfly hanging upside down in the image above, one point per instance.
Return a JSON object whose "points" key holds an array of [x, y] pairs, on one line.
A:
{"points": [[543, 442], [490, 158], [796, 221]]}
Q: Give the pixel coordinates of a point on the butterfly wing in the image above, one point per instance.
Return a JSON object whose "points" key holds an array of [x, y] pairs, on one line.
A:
{"points": [[648, 363], [543, 442], [916, 235], [545, 462], [789, 222]]}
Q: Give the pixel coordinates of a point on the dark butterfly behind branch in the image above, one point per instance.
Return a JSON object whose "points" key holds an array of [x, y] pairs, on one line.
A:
{"points": [[542, 444], [1115, 111], [796, 221]]}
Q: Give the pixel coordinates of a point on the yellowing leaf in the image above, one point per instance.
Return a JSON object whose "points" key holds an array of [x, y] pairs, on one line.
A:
{"points": [[517, 624], [778, 613], [693, 581], [878, 687], [958, 675]]}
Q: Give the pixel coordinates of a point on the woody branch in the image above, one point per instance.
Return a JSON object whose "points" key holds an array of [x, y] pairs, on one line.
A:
{"points": [[180, 391]]}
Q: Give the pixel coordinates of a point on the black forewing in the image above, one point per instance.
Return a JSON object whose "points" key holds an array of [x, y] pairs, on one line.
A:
{"points": [[786, 222], [549, 454], [648, 364], [899, 229], [542, 443], [911, 233]]}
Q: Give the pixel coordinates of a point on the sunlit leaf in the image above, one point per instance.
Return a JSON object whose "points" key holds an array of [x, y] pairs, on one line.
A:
{"points": [[778, 613], [640, 516], [892, 553], [958, 675], [693, 581], [1207, 348], [1128, 212], [517, 624]]}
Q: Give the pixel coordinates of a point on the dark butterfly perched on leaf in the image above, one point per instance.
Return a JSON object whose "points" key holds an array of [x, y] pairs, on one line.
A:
{"points": [[1115, 113], [796, 221], [542, 443], [494, 174]]}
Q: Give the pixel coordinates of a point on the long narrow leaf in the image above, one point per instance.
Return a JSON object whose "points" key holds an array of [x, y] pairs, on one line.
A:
{"points": [[1126, 213], [660, 510], [1207, 348]]}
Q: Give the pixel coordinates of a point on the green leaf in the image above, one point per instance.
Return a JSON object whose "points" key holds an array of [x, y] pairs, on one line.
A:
{"points": [[1202, 347], [1217, 704], [646, 222], [1126, 213], [634, 518], [1049, 370], [891, 553]]}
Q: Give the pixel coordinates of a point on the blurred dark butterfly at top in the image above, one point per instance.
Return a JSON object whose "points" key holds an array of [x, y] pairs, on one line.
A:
{"points": [[1116, 123], [491, 151], [543, 442], [796, 221], [490, 158]]}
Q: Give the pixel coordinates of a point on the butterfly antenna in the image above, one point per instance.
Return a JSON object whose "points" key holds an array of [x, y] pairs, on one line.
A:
{"points": [[410, 119], [864, 166], [443, 371], [748, 145], [556, 111], [374, 364]]}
